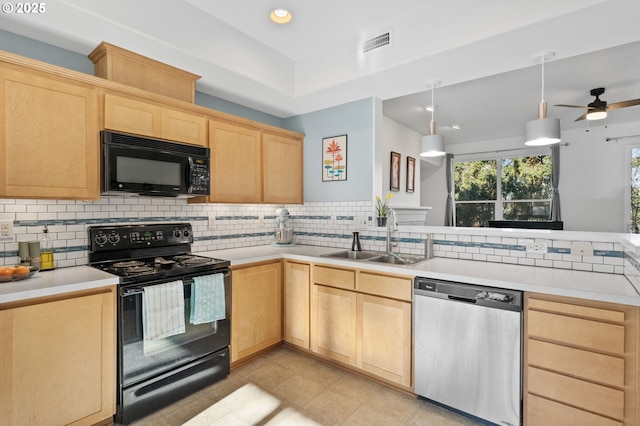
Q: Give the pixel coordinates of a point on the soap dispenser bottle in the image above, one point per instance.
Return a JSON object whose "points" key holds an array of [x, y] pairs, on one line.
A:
{"points": [[355, 243]]}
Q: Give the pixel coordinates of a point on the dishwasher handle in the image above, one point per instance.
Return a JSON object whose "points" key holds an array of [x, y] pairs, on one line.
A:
{"points": [[461, 299]]}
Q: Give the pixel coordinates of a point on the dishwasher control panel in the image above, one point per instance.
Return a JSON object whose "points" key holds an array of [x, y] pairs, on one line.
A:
{"points": [[469, 293]]}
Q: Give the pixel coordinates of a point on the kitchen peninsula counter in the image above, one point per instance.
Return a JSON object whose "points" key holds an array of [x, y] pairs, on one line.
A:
{"points": [[613, 288]]}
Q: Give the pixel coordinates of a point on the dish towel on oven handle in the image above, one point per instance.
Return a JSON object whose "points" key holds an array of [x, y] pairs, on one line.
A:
{"points": [[163, 310], [207, 299]]}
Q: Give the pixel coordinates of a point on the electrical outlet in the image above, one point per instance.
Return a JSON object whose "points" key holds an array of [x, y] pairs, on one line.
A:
{"points": [[6, 230], [536, 247], [360, 222], [581, 249], [212, 223]]}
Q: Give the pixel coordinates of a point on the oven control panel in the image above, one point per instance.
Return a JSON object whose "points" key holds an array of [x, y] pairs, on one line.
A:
{"points": [[104, 238]]}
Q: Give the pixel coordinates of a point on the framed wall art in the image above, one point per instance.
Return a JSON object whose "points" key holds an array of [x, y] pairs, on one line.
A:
{"points": [[394, 172], [411, 174], [334, 158]]}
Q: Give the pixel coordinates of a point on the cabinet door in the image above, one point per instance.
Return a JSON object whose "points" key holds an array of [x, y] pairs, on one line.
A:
{"points": [[333, 323], [236, 170], [296, 302], [57, 361], [256, 313], [132, 116], [282, 174], [384, 338], [182, 126], [49, 137]]}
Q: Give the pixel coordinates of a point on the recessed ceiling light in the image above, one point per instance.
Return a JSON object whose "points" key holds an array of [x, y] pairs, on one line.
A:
{"points": [[456, 127], [281, 16]]}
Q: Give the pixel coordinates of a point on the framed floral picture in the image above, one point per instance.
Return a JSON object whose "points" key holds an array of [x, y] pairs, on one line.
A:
{"points": [[394, 172], [411, 174], [334, 158]]}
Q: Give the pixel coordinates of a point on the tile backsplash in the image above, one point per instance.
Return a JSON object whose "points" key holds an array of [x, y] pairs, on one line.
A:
{"points": [[330, 224]]}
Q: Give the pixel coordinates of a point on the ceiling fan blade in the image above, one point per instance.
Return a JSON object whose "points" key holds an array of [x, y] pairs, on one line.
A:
{"points": [[572, 106], [624, 104], [582, 117]]}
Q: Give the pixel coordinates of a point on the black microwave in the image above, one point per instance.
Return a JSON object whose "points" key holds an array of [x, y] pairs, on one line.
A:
{"points": [[140, 165]]}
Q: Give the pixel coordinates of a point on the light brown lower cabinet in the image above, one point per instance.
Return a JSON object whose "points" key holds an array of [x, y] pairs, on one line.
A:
{"points": [[256, 308], [58, 360], [296, 303], [363, 319], [580, 365]]}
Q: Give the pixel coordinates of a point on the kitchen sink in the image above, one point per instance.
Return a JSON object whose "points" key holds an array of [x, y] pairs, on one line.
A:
{"points": [[377, 256], [349, 254], [401, 259]]}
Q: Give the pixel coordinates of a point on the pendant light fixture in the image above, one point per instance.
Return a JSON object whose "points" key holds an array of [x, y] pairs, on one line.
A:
{"points": [[432, 145], [543, 131]]}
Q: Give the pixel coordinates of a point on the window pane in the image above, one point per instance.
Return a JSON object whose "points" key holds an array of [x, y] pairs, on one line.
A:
{"points": [[474, 214], [526, 178], [475, 180], [634, 226], [527, 210]]}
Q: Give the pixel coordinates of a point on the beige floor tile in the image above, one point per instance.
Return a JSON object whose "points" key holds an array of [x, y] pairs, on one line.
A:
{"points": [[287, 388]]}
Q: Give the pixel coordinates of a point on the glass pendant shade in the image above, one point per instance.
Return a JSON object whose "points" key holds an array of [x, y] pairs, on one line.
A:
{"points": [[543, 131], [432, 146]]}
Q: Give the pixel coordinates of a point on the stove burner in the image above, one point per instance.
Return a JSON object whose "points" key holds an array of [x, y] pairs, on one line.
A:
{"points": [[163, 261], [190, 261], [127, 264], [141, 269]]}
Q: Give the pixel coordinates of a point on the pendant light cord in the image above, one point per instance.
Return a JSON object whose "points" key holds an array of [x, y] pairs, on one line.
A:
{"points": [[542, 60]]}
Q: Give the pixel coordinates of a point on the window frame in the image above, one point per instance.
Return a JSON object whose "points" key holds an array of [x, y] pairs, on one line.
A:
{"points": [[497, 156]]}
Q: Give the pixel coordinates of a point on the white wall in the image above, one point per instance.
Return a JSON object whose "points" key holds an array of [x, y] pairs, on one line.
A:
{"points": [[406, 142], [593, 176]]}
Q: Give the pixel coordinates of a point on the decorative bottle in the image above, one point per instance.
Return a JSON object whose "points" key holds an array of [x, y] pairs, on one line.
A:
{"points": [[46, 251]]}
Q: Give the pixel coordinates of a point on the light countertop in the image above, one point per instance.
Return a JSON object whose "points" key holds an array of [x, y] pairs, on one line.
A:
{"points": [[57, 281], [614, 288]]}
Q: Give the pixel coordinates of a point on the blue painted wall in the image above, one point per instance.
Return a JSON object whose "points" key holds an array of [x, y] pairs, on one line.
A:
{"points": [[354, 119]]}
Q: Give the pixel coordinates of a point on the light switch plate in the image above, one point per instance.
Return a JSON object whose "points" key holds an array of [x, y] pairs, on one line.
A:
{"points": [[360, 222], [6, 230], [211, 226]]}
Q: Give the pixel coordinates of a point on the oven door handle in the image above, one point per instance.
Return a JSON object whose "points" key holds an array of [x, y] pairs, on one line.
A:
{"points": [[139, 290]]}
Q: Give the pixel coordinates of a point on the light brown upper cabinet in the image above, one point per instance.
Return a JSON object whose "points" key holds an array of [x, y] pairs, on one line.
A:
{"points": [[282, 169], [252, 165], [49, 135], [149, 119]]}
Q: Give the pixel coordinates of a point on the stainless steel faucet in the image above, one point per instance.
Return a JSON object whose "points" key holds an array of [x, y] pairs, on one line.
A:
{"points": [[392, 225]]}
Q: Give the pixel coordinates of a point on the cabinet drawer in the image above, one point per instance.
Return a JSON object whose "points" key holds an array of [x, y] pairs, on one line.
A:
{"points": [[578, 393], [543, 412], [577, 310], [341, 278], [387, 286], [577, 363], [577, 331]]}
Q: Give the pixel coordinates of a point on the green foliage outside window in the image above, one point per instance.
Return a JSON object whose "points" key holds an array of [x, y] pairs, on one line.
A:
{"points": [[525, 192]]}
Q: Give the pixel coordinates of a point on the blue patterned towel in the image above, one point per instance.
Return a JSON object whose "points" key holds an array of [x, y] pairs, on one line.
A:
{"points": [[163, 310], [207, 299]]}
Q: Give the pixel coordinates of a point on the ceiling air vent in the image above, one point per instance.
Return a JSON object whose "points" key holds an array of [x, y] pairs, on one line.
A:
{"points": [[376, 42]]}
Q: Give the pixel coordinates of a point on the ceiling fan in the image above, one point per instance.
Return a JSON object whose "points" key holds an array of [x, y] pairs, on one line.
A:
{"points": [[597, 109]]}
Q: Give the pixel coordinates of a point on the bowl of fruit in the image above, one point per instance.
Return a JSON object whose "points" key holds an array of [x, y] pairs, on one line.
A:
{"points": [[16, 273]]}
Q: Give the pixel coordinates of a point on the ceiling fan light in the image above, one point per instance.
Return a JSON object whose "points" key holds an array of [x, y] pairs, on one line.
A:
{"points": [[597, 114], [543, 131], [432, 146]]}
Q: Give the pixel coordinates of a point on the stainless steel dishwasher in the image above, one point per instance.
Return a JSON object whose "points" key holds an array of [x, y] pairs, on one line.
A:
{"points": [[468, 348]]}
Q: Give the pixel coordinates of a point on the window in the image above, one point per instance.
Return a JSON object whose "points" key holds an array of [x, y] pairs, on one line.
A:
{"points": [[524, 189], [634, 210]]}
